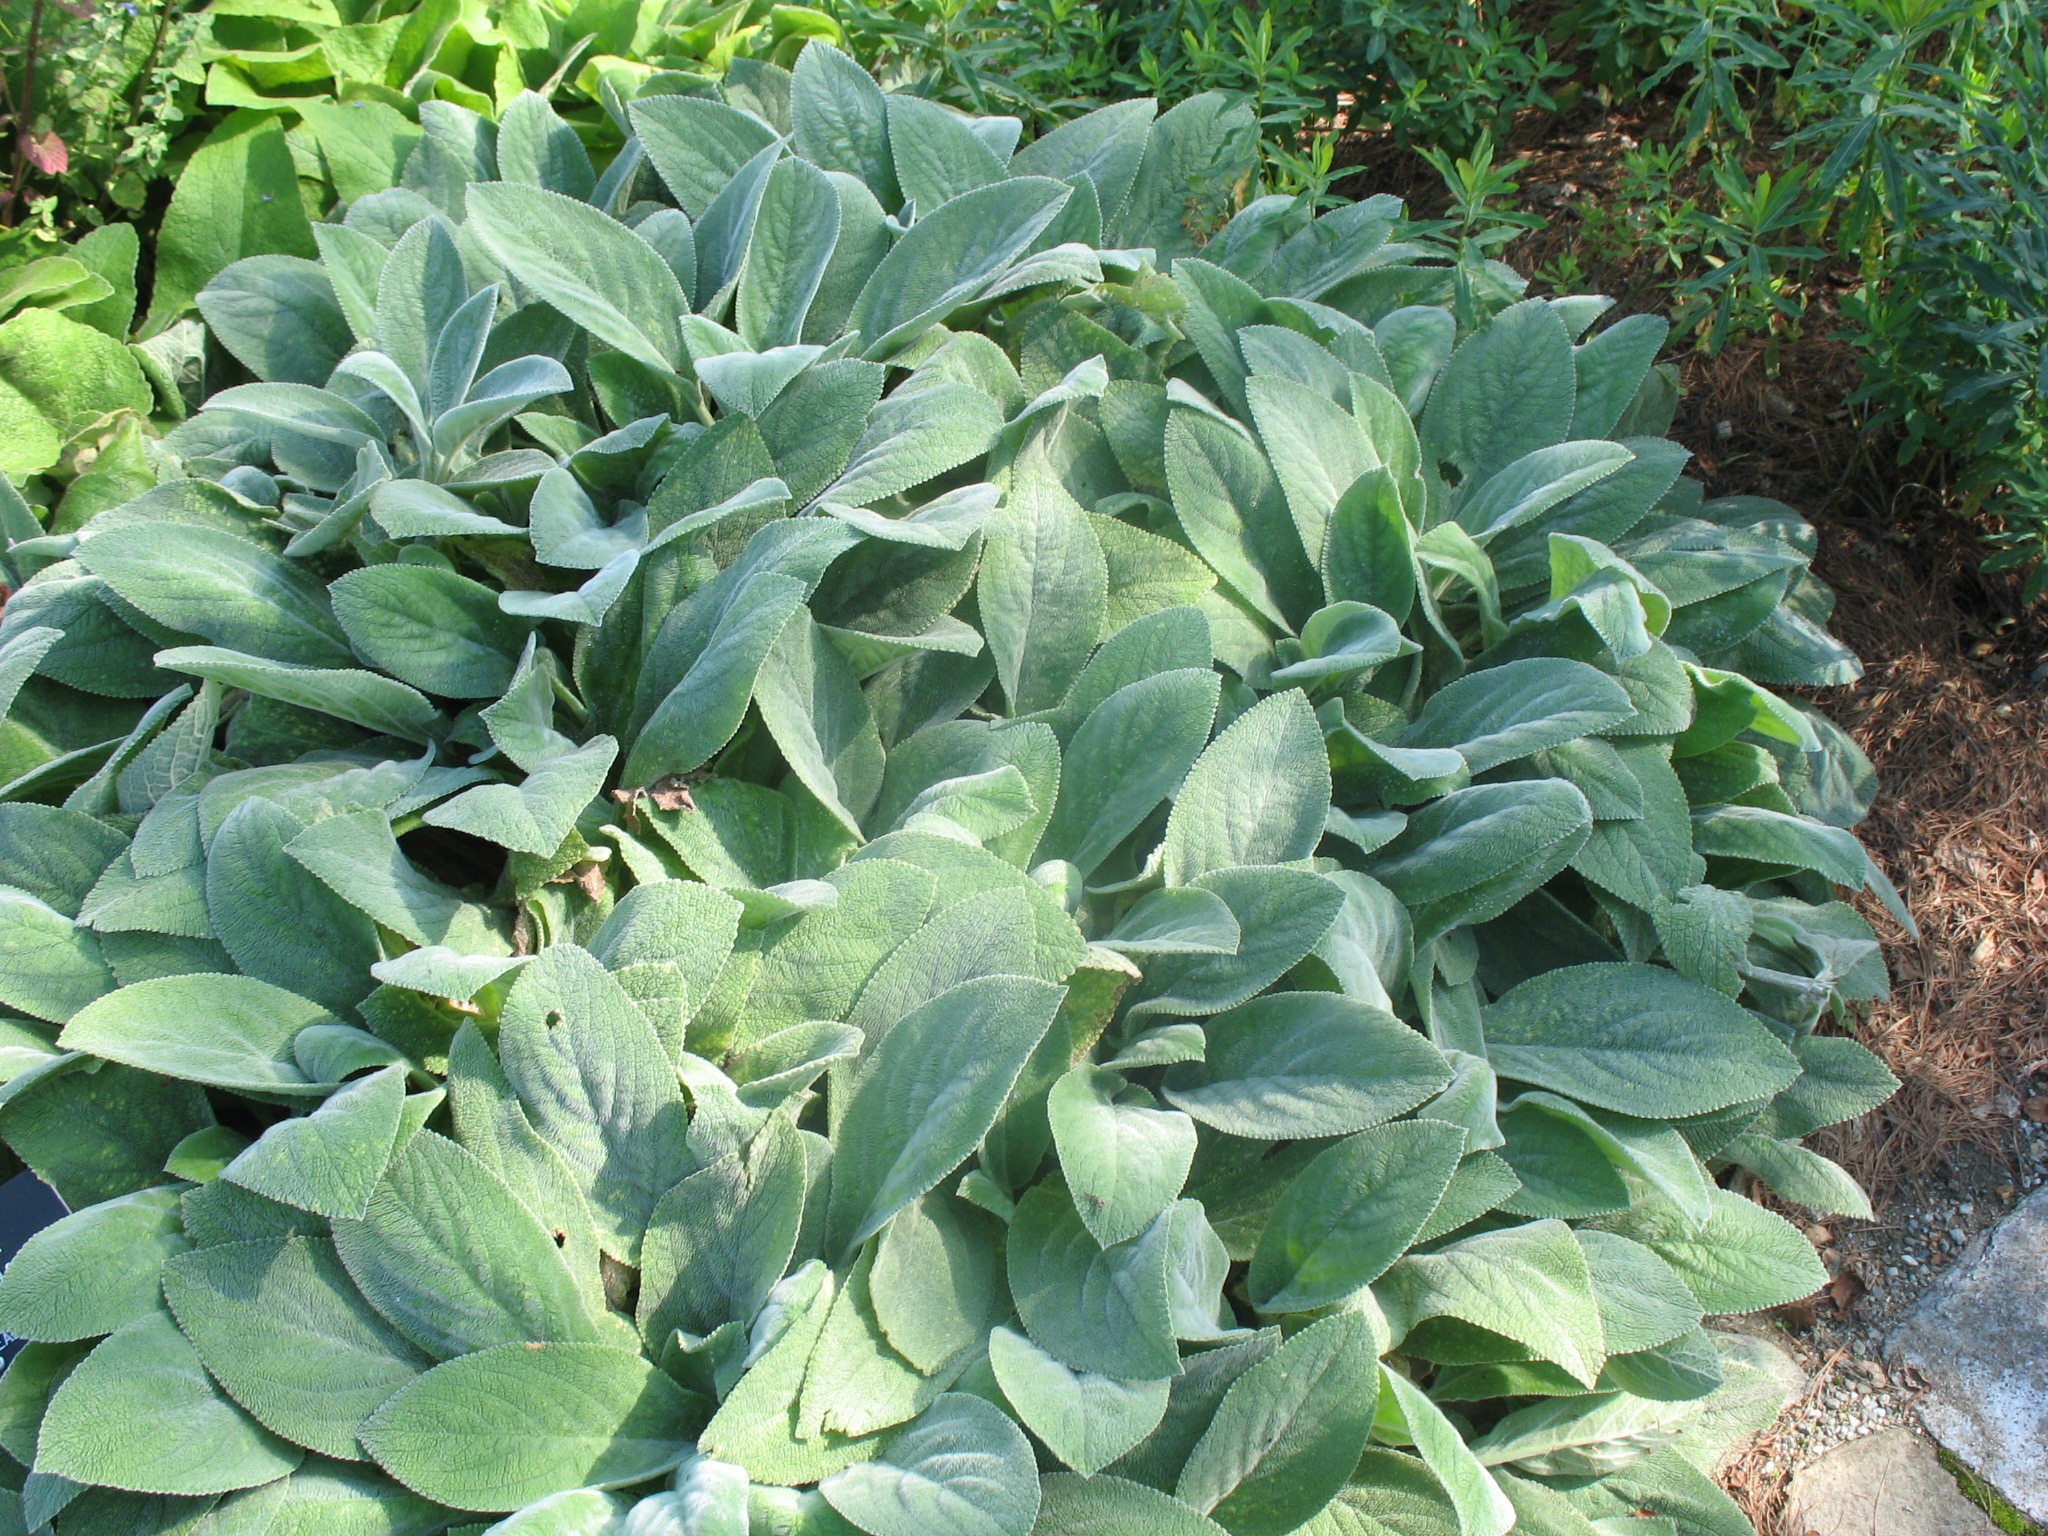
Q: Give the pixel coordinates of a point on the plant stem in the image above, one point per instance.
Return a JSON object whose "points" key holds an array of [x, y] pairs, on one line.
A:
{"points": [[24, 123]]}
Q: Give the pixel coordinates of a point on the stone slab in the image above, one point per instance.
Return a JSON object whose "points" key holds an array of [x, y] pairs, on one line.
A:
{"points": [[1979, 1338], [1886, 1484]]}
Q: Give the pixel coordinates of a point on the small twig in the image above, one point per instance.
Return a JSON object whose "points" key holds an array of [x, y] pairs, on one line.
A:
{"points": [[164, 16], [24, 122]]}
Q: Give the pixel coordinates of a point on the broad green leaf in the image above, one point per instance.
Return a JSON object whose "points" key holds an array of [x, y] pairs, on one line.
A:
{"points": [[1132, 751], [537, 814], [1472, 855], [324, 1495], [948, 256], [756, 1425], [248, 1306], [1197, 156], [1643, 1302], [672, 923], [331, 1161], [1582, 1436], [357, 857], [720, 1239], [1508, 390], [1259, 794], [935, 1280], [1529, 1283], [94, 1135], [912, 438], [441, 632], [32, 1375], [1634, 1038], [817, 967], [147, 1374], [1232, 510], [262, 906], [812, 705], [363, 698], [505, 1426], [1481, 1508], [50, 967], [57, 378], [987, 934], [94, 1271], [936, 153], [1561, 1165], [1647, 860], [1523, 491], [795, 233], [1296, 1064], [1646, 1150], [1390, 1492], [1511, 711], [1148, 572], [599, 1088], [203, 581], [856, 1385], [1043, 585], [1352, 1212], [1743, 1258], [1085, 1419], [1370, 554], [1838, 1081], [1288, 1432], [237, 196], [700, 673], [1124, 1161], [963, 1469], [1096, 1309], [1177, 920], [1104, 145], [1671, 1488], [490, 1121], [1111, 1506], [1770, 837], [279, 316], [1191, 1404], [697, 144], [1611, 367], [929, 1094], [539, 149], [1344, 640], [1281, 915], [230, 1032], [1317, 450], [587, 265], [455, 1261], [840, 119]]}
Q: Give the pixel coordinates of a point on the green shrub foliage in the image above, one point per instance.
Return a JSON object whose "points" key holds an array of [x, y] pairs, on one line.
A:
{"points": [[837, 829]]}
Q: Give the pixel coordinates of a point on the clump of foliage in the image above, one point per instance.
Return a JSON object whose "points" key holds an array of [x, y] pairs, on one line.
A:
{"points": [[1431, 72], [92, 94], [835, 828], [1955, 343], [112, 99]]}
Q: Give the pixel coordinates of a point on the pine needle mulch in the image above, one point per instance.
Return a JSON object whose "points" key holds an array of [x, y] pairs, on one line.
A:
{"points": [[1957, 727]]}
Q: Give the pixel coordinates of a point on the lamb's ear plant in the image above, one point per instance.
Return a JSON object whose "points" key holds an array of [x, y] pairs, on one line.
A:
{"points": [[843, 829]]}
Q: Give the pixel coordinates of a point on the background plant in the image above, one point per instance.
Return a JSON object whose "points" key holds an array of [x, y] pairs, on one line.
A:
{"points": [[126, 94], [1063, 828]]}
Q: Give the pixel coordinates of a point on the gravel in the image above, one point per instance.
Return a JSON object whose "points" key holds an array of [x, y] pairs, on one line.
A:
{"points": [[1878, 1270]]}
